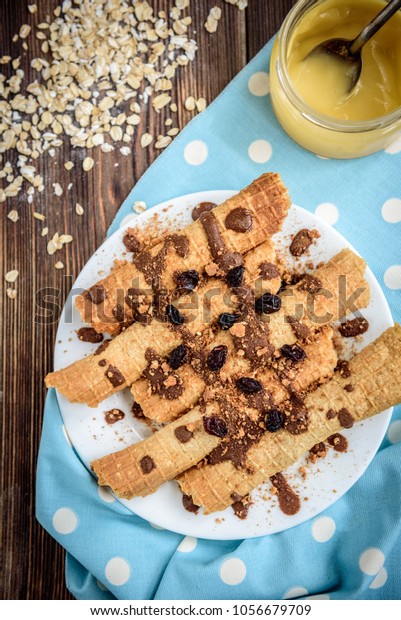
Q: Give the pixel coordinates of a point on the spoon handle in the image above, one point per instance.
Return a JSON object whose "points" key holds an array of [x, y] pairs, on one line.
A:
{"points": [[373, 26]]}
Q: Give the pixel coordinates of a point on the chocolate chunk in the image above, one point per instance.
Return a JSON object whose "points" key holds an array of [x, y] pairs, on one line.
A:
{"points": [[137, 410], [114, 376], [173, 315], [338, 442], [354, 327], [178, 357], [131, 241], [241, 509], [180, 244], [88, 334], [187, 279], [162, 380], [202, 207], [349, 387], [343, 369], [302, 241], [97, 294], [102, 347], [268, 271], [234, 276], [113, 416], [189, 505], [215, 426], [311, 284], [102, 363], [331, 414], [319, 450], [345, 418], [147, 464], [118, 313], [302, 332], [274, 420], [247, 385], [217, 357], [293, 352], [226, 320], [296, 420], [183, 434], [267, 304], [289, 501], [239, 219]]}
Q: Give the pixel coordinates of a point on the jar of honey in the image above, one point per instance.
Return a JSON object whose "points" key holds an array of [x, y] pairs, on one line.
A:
{"points": [[310, 93]]}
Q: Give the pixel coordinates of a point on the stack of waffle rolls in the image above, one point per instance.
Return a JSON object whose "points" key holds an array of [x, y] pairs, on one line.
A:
{"points": [[267, 201], [340, 277], [122, 470], [376, 386]]}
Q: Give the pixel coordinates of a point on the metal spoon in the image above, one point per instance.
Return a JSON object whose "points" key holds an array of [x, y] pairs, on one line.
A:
{"points": [[350, 50]]}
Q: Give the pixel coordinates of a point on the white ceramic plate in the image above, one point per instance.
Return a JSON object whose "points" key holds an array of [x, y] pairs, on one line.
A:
{"points": [[326, 481]]}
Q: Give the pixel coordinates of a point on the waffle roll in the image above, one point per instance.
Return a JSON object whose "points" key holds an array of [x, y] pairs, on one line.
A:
{"points": [[186, 441], [374, 379], [216, 240]]}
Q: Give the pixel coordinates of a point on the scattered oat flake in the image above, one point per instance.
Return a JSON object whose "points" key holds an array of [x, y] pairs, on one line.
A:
{"points": [[125, 150], [39, 216], [213, 19], [240, 4], [44, 232], [88, 163], [13, 215], [79, 210], [173, 131], [162, 142], [59, 265], [24, 31], [201, 104], [58, 190], [66, 238], [32, 8], [139, 206], [190, 103], [146, 139], [12, 275], [11, 293], [68, 165]]}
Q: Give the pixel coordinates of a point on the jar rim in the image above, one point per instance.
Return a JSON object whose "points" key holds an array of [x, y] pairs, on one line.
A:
{"points": [[319, 118]]}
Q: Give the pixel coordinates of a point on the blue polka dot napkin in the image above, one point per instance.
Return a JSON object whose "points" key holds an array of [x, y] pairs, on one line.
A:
{"points": [[352, 550]]}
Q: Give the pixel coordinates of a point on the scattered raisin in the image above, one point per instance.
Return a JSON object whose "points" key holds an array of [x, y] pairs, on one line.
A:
{"points": [[274, 420], [187, 279], [234, 276], [267, 304], [173, 315], [178, 356], [247, 385], [227, 320], [215, 426], [217, 357], [293, 352]]}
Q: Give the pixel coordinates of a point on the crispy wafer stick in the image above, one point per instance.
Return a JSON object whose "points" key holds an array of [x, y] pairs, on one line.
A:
{"points": [[334, 283], [97, 376], [143, 467], [375, 386], [236, 226]]}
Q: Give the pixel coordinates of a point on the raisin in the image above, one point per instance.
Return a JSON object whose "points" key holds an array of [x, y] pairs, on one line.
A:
{"points": [[187, 279], [274, 420], [234, 276], [173, 315], [293, 352], [267, 304], [215, 426], [248, 385], [217, 357], [227, 320], [178, 357]]}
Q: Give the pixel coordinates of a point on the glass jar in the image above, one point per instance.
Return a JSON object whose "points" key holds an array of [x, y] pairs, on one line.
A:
{"points": [[315, 131]]}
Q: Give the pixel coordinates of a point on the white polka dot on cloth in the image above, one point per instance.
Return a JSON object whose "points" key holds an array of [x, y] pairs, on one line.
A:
{"points": [[394, 432], [117, 571], [371, 561], [195, 153], [65, 521], [328, 212], [392, 277], [319, 597], [259, 84], [395, 147], [105, 494], [232, 571], [323, 529], [379, 580], [295, 592], [391, 210], [260, 151], [187, 544]]}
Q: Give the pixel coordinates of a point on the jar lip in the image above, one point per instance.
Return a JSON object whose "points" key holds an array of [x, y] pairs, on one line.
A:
{"points": [[308, 111]]}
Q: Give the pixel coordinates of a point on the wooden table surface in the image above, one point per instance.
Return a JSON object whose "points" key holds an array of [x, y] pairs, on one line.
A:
{"points": [[32, 563]]}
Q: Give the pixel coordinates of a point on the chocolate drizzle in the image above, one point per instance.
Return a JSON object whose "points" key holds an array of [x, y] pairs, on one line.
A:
{"points": [[225, 260], [296, 416], [288, 500], [189, 505], [102, 347], [202, 207], [239, 220], [153, 266]]}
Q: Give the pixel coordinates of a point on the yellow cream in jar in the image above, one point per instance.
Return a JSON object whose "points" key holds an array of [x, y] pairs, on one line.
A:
{"points": [[309, 95], [320, 79]]}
